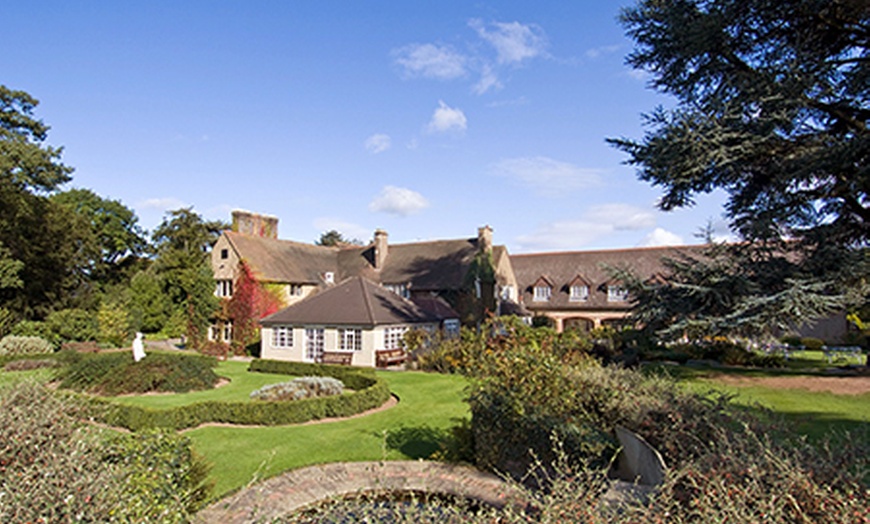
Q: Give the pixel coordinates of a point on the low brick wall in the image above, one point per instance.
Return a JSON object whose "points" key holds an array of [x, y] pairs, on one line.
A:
{"points": [[304, 487]]}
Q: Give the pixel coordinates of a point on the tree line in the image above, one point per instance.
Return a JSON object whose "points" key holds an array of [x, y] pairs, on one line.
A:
{"points": [[77, 266]]}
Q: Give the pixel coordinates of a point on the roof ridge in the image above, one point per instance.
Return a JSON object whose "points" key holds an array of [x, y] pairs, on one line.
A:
{"points": [[284, 241], [369, 311], [609, 250]]}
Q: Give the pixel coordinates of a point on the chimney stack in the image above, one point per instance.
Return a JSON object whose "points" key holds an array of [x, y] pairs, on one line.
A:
{"points": [[484, 239], [380, 248], [255, 224]]}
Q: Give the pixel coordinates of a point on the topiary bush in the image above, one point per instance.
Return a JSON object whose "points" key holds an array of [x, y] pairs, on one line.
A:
{"points": [[116, 373], [18, 345], [300, 388]]}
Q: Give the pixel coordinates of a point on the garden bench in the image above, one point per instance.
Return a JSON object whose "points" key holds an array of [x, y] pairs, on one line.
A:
{"points": [[81, 347], [390, 357], [337, 357], [837, 353]]}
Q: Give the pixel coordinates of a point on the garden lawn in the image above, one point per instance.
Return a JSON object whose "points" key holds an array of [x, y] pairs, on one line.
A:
{"points": [[239, 389], [429, 404], [814, 413]]}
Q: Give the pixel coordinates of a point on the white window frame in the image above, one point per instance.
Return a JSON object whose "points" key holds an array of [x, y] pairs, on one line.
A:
{"points": [[349, 339], [579, 293], [282, 337], [542, 293], [228, 332], [223, 288], [400, 289], [295, 290], [617, 294], [394, 337], [315, 339]]}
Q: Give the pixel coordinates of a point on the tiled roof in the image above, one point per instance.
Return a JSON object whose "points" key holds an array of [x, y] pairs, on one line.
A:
{"points": [[564, 267], [356, 301], [427, 266], [283, 260]]}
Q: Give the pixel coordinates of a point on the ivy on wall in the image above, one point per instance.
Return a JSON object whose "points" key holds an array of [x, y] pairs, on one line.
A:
{"points": [[251, 301]]}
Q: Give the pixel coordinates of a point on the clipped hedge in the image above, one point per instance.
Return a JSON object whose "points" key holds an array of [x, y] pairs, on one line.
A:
{"points": [[116, 373], [370, 392]]}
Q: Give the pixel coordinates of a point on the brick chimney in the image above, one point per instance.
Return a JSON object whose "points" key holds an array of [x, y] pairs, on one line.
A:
{"points": [[484, 239], [380, 248], [255, 224]]}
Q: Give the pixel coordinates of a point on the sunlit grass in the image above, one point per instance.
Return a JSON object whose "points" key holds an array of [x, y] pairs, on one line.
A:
{"points": [[239, 388], [240, 455]]}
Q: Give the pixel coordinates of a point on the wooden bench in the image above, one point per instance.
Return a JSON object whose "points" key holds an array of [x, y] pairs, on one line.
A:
{"points": [[390, 357], [340, 358]]}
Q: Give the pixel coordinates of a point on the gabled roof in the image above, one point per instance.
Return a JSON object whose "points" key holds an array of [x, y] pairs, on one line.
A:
{"points": [[564, 267], [578, 280], [356, 301], [426, 266], [276, 260]]}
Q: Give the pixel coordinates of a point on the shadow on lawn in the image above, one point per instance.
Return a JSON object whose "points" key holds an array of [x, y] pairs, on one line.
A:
{"points": [[426, 442]]}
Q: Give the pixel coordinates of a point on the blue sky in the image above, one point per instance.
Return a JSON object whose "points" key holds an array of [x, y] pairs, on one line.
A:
{"points": [[426, 119]]}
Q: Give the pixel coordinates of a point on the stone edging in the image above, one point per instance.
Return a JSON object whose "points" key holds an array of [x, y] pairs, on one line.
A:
{"points": [[294, 490]]}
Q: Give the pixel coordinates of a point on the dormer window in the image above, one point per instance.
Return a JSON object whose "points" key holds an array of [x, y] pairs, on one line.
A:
{"points": [[399, 289], [578, 289], [616, 293], [542, 293], [579, 293]]}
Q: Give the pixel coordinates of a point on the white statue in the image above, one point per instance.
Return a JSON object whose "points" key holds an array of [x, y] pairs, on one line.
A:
{"points": [[138, 349]]}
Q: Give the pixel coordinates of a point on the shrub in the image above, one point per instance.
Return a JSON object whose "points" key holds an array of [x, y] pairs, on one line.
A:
{"points": [[161, 479], [55, 470], [812, 344], [15, 345], [215, 349], [299, 388], [114, 324], [116, 373], [73, 325], [32, 328], [51, 470]]}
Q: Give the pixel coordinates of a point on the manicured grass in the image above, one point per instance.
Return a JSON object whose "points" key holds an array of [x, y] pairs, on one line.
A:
{"points": [[429, 404], [240, 387], [813, 413]]}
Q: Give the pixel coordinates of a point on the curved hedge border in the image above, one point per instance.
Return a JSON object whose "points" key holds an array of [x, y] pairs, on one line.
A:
{"points": [[370, 392]]}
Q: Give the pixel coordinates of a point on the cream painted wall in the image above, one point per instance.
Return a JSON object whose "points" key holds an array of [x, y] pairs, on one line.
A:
{"points": [[372, 341]]}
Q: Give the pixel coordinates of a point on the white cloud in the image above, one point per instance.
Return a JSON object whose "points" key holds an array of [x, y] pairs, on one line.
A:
{"points": [[398, 201], [662, 237], [513, 42], [639, 74], [488, 80], [430, 61], [348, 230], [547, 176], [598, 222], [622, 217], [603, 50], [378, 143], [447, 118], [161, 204], [563, 236]]}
